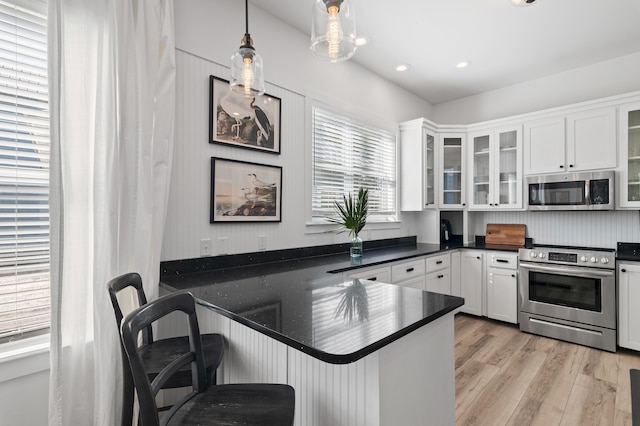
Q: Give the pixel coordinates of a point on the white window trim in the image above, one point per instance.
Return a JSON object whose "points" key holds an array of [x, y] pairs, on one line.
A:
{"points": [[24, 357], [312, 98]]}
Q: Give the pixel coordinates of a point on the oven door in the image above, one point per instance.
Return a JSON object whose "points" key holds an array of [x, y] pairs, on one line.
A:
{"points": [[572, 293]]}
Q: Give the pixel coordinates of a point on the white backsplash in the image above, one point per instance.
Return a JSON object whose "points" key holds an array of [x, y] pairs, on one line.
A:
{"points": [[582, 228]]}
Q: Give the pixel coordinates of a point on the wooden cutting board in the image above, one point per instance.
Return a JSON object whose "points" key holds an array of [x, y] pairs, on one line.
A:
{"points": [[505, 234]]}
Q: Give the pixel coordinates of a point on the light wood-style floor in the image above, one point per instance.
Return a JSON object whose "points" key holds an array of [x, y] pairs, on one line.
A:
{"points": [[507, 377]]}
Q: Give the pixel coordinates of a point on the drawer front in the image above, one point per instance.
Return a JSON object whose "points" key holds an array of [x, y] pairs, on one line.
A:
{"points": [[438, 262], [407, 270], [503, 260], [382, 275], [439, 282]]}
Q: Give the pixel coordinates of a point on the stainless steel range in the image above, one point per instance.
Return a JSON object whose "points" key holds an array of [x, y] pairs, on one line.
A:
{"points": [[569, 293]]}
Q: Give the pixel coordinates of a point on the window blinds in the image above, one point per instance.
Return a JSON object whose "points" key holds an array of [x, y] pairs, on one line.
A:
{"points": [[24, 172], [347, 155]]}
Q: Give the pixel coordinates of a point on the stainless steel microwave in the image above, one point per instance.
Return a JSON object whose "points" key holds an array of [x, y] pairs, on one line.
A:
{"points": [[571, 191]]}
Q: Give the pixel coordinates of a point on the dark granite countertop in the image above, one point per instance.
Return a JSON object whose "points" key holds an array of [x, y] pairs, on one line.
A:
{"points": [[309, 305]]}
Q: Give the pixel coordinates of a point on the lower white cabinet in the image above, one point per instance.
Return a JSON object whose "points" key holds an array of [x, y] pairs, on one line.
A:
{"points": [[438, 278], [502, 286], [502, 295], [628, 302], [472, 281], [417, 282], [376, 273], [409, 274]]}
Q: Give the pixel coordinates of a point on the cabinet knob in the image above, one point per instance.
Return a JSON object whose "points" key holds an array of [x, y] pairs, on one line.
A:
{"points": [[478, 257], [513, 275], [561, 166], [440, 276], [623, 270], [570, 165], [464, 204]]}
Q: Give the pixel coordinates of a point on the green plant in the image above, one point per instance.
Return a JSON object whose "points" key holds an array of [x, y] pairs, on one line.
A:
{"points": [[353, 214]]}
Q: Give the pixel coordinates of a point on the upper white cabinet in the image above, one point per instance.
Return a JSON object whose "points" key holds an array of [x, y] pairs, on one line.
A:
{"points": [[452, 173], [417, 166], [587, 143], [591, 140], [544, 146], [495, 164], [629, 178]]}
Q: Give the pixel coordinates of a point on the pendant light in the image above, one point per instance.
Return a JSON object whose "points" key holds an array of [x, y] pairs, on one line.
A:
{"points": [[246, 66], [333, 31]]}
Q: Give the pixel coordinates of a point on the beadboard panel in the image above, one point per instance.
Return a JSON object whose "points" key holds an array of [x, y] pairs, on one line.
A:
{"points": [[330, 394], [581, 228]]}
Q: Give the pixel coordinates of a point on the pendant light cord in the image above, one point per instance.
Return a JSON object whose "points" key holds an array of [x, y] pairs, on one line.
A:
{"points": [[246, 15]]}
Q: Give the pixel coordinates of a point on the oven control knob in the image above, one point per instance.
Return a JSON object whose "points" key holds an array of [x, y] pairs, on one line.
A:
{"points": [[534, 254], [542, 255], [594, 259], [583, 258], [604, 260]]}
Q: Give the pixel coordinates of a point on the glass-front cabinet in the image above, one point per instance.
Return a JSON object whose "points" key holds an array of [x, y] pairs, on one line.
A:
{"points": [[417, 165], [495, 161], [629, 185], [452, 193]]}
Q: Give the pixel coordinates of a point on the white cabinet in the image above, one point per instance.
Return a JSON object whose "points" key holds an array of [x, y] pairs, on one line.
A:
{"points": [[495, 164], [417, 165], [438, 279], [375, 273], [628, 302], [544, 146], [472, 273], [629, 180], [588, 143], [502, 286], [409, 274], [452, 171], [591, 140]]}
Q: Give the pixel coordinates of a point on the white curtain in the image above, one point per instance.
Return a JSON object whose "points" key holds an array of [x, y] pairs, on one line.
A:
{"points": [[112, 91]]}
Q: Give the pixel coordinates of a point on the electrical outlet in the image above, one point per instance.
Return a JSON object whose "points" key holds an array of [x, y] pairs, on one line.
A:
{"points": [[205, 247], [223, 245], [262, 242]]}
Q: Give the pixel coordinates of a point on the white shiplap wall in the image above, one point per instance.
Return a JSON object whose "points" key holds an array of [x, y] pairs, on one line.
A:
{"points": [[188, 213], [583, 228]]}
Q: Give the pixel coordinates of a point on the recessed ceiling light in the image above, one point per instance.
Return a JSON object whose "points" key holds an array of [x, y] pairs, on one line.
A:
{"points": [[361, 41], [463, 64], [402, 67], [522, 2]]}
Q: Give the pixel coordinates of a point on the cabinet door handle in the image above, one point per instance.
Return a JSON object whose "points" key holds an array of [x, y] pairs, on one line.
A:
{"points": [[440, 276], [373, 278], [502, 261], [570, 165], [561, 166], [478, 257], [513, 275], [438, 262], [410, 269], [623, 270]]}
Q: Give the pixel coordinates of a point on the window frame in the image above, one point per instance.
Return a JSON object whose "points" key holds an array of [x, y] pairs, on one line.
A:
{"points": [[319, 225]]}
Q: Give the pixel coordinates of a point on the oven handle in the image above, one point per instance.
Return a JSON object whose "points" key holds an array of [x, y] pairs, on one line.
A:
{"points": [[579, 272]]}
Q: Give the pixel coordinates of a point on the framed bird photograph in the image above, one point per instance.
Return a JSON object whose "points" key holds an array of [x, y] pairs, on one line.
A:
{"points": [[245, 192], [252, 123]]}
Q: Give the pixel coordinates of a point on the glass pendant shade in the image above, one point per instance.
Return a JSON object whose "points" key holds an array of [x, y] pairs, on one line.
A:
{"points": [[247, 78], [333, 31]]}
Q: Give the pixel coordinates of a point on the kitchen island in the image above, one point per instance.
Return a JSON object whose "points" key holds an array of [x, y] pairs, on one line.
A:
{"points": [[357, 352]]}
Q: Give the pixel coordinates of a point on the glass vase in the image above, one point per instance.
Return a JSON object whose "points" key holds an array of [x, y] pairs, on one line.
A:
{"points": [[356, 246]]}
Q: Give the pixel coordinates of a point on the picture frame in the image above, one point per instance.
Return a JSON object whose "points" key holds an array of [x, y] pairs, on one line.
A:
{"points": [[251, 123], [245, 192]]}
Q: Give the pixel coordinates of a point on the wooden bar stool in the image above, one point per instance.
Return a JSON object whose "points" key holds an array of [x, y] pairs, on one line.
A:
{"points": [[155, 353], [233, 404]]}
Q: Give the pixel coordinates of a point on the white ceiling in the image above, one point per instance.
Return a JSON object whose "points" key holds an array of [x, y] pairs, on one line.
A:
{"points": [[504, 43]]}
